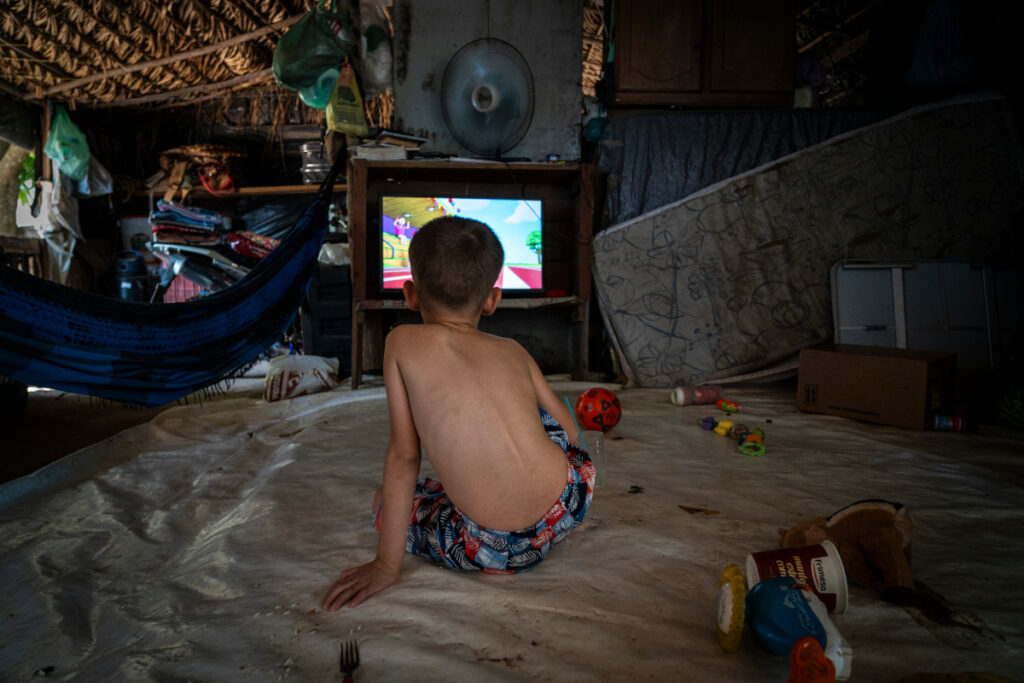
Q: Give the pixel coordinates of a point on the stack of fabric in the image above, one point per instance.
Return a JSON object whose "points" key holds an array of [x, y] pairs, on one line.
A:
{"points": [[172, 223]]}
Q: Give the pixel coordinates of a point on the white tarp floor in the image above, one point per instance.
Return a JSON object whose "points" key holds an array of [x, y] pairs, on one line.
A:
{"points": [[197, 547]]}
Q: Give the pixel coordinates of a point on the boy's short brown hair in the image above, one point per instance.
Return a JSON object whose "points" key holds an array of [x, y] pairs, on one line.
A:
{"points": [[455, 262]]}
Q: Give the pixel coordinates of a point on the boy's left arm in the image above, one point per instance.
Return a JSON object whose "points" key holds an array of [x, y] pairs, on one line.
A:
{"points": [[548, 400]]}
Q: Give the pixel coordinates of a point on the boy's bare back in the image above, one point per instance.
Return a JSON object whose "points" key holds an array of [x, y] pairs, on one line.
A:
{"points": [[473, 400]]}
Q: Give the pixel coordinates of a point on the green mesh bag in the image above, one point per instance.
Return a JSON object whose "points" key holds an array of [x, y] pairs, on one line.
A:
{"points": [[316, 43]]}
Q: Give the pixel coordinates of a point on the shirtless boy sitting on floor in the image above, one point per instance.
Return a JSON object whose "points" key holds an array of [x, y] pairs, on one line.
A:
{"points": [[513, 483]]}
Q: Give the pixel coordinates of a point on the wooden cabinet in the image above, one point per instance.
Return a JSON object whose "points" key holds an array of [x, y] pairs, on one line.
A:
{"points": [[704, 52], [568, 194]]}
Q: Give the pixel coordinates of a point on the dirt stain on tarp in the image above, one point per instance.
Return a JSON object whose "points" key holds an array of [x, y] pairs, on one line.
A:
{"points": [[510, 662], [697, 511]]}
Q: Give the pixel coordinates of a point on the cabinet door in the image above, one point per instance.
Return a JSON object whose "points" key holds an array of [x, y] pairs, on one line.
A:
{"points": [[753, 42], [658, 47]]}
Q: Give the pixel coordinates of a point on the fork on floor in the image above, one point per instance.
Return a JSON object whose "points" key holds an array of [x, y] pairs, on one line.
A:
{"points": [[349, 659]]}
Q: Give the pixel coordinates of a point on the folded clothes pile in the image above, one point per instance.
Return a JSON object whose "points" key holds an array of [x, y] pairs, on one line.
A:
{"points": [[172, 223]]}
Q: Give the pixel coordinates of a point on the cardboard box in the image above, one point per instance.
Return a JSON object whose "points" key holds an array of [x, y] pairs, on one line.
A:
{"points": [[900, 387]]}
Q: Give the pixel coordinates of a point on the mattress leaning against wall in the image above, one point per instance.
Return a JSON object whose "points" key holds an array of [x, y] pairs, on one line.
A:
{"points": [[735, 277]]}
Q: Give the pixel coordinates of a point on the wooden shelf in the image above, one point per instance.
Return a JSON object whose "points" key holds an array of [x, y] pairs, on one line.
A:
{"points": [[252, 191], [460, 169], [567, 190], [519, 303], [484, 164]]}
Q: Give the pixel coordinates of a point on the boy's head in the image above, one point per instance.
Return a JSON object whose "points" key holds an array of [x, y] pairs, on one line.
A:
{"points": [[455, 263]]}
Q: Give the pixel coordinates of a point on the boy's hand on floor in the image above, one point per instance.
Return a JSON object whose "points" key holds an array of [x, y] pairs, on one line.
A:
{"points": [[357, 584]]}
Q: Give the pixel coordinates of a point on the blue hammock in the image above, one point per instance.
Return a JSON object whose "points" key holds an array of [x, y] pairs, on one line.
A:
{"points": [[152, 354]]}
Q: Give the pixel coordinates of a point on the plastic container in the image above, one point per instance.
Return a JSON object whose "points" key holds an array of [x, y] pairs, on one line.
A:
{"points": [[780, 612], [131, 227], [818, 566], [132, 276], [315, 163], [696, 395]]}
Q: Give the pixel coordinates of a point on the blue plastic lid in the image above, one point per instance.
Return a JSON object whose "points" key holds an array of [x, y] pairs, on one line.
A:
{"points": [[780, 615]]}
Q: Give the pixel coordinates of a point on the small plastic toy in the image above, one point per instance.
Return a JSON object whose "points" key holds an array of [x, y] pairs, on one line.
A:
{"points": [[780, 612], [732, 594], [808, 663], [784, 616], [749, 441], [598, 409], [728, 406]]}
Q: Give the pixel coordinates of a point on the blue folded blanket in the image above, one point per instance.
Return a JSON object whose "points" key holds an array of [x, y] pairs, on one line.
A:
{"points": [[169, 213]]}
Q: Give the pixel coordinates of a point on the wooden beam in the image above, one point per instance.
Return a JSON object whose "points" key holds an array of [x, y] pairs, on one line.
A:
{"points": [[184, 33], [231, 27], [276, 26], [6, 87], [215, 95], [827, 32], [849, 47], [195, 89], [247, 191], [47, 122], [120, 40], [28, 54], [245, 8]]}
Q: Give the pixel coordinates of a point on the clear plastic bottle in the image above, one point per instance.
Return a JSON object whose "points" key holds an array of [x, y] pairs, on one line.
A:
{"points": [[696, 395]]}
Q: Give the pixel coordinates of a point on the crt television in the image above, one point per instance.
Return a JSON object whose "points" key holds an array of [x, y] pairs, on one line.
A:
{"points": [[516, 222]]}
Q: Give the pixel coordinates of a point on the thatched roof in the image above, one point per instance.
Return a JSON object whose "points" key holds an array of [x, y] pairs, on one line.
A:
{"points": [[104, 53], [593, 43]]}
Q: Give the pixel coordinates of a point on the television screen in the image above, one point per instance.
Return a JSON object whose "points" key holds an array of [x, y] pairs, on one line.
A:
{"points": [[516, 222]]}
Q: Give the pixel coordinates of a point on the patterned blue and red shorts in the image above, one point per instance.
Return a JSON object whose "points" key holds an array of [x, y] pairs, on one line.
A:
{"points": [[442, 532]]}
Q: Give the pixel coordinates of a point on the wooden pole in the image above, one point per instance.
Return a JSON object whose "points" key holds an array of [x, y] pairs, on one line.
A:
{"points": [[245, 37], [47, 122], [159, 97]]}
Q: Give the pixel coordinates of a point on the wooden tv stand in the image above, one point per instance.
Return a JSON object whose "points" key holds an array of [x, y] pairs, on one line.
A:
{"points": [[568, 194]]}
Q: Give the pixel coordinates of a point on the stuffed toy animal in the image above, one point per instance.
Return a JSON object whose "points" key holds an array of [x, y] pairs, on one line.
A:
{"points": [[873, 538]]}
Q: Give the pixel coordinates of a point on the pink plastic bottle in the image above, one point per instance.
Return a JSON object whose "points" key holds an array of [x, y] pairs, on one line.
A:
{"points": [[696, 395]]}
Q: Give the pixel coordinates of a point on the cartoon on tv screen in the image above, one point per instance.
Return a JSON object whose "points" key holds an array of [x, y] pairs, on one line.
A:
{"points": [[516, 222]]}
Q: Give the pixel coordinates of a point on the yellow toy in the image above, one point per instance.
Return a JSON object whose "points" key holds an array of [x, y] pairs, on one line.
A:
{"points": [[723, 427], [732, 595]]}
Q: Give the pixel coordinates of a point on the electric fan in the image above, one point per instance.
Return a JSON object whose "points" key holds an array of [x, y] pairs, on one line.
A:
{"points": [[487, 97]]}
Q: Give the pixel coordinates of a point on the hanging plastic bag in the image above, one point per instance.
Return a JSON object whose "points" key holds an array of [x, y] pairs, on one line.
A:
{"points": [[98, 181], [345, 108], [316, 43], [66, 145], [319, 94], [375, 56]]}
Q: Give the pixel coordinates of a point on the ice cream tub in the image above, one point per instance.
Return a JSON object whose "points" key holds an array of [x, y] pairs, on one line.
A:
{"points": [[818, 566]]}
